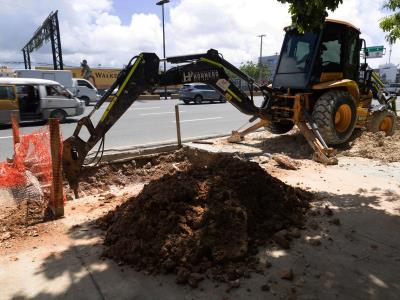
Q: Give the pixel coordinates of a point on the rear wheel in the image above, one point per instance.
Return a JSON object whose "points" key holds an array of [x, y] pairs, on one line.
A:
{"points": [[279, 127], [198, 99], [382, 121], [58, 114], [335, 114]]}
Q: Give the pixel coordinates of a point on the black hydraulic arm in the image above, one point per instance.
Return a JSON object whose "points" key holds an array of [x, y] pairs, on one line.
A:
{"points": [[142, 74], [139, 75]]}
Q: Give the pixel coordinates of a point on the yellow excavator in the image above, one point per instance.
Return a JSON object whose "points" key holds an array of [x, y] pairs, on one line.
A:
{"points": [[319, 85]]}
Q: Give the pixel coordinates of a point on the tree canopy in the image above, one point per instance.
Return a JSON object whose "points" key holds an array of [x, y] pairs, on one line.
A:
{"points": [[311, 14], [253, 70], [391, 23]]}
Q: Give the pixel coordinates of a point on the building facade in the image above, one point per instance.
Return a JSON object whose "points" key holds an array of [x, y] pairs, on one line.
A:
{"points": [[272, 62]]}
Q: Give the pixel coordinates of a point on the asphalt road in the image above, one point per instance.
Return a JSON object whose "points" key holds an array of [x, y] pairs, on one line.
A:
{"points": [[149, 122]]}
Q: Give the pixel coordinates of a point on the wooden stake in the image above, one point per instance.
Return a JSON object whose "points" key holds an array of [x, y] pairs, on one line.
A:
{"points": [[178, 126], [57, 193]]}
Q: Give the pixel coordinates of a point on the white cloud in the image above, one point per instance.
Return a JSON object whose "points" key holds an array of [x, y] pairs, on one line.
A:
{"points": [[91, 30]]}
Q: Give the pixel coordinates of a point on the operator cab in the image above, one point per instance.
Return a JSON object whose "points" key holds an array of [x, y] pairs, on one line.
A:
{"points": [[332, 53]]}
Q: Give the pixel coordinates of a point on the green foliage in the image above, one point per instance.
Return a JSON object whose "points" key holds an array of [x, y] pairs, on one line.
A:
{"points": [[309, 15], [391, 23], [253, 70]]}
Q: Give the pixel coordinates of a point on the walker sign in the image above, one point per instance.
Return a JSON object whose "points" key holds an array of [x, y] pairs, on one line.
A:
{"points": [[374, 52]]}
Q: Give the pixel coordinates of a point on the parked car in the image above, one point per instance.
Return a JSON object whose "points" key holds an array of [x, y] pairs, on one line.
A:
{"points": [[198, 93]]}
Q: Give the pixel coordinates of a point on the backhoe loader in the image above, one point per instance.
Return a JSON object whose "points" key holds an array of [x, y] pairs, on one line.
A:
{"points": [[320, 86]]}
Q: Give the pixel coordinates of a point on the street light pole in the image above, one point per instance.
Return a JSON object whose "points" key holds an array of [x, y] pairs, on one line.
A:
{"points": [[162, 2], [260, 63]]}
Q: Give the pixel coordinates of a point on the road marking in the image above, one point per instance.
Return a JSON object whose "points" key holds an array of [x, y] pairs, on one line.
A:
{"points": [[195, 120], [144, 108], [6, 137], [161, 113]]}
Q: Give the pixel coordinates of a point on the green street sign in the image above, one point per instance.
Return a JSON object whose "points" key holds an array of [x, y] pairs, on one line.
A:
{"points": [[374, 51]]}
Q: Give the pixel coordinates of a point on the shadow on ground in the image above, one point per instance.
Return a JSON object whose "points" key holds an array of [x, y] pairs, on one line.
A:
{"points": [[358, 258]]}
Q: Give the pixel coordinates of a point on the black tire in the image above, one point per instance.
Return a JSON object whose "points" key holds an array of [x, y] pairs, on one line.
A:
{"points": [[279, 127], [198, 99], [382, 121], [86, 99], [186, 102], [58, 114], [335, 114]]}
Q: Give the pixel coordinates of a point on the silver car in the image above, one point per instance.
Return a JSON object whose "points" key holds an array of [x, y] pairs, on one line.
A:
{"points": [[199, 93]]}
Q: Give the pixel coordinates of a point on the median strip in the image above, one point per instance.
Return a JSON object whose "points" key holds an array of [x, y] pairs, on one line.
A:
{"points": [[195, 120], [6, 137], [161, 113]]}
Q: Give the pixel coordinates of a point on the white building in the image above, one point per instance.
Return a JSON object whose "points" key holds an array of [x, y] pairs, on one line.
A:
{"points": [[388, 73]]}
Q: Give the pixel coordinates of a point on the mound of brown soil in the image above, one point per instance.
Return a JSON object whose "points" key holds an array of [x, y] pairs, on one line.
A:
{"points": [[376, 146], [207, 219]]}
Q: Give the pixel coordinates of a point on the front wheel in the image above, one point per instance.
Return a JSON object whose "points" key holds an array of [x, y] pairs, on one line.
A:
{"points": [[335, 114], [382, 121], [59, 114], [198, 99]]}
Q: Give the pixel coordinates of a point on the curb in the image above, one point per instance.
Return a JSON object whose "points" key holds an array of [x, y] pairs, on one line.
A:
{"points": [[128, 153]]}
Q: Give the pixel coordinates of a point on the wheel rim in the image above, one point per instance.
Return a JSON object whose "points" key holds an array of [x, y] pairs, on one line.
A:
{"points": [[58, 116], [386, 124], [343, 118]]}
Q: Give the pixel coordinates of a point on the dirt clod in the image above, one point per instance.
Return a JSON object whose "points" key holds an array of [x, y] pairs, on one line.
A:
{"points": [[335, 221], [281, 239], [286, 274], [265, 287]]}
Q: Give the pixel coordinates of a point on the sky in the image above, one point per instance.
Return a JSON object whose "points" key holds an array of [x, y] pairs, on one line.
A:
{"points": [[108, 33]]}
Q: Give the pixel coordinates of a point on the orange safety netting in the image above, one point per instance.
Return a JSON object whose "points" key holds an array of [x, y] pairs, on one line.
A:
{"points": [[31, 153]]}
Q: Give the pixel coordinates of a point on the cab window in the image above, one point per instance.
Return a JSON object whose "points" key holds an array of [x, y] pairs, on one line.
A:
{"points": [[332, 50], [85, 83], [56, 91], [7, 93]]}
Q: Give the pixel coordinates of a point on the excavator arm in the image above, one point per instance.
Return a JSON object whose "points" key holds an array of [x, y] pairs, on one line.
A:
{"points": [[142, 74]]}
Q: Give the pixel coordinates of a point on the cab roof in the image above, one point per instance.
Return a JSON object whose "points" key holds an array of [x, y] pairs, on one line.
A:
{"points": [[342, 23], [12, 80]]}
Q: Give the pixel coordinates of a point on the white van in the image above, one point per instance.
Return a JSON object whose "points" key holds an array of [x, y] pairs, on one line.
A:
{"points": [[85, 90], [36, 99]]}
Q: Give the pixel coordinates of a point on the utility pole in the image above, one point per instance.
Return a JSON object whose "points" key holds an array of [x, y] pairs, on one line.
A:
{"points": [[260, 62], [161, 3]]}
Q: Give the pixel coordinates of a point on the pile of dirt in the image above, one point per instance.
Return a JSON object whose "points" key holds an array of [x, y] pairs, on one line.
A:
{"points": [[204, 221], [376, 146]]}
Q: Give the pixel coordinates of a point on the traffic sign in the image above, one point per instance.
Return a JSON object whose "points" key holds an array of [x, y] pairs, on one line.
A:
{"points": [[374, 52]]}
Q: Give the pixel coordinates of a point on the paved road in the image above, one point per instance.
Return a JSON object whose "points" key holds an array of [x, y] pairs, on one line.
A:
{"points": [[148, 122]]}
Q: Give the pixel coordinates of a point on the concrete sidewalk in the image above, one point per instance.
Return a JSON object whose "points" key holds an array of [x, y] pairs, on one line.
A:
{"points": [[354, 254]]}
